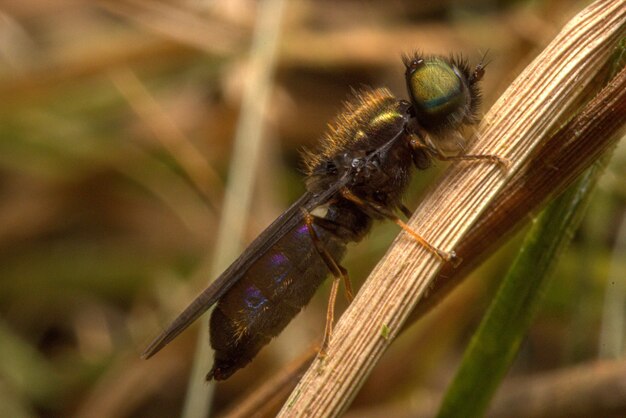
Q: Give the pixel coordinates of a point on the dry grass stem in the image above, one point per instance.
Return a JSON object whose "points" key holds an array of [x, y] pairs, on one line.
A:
{"points": [[244, 164], [267, 399], [515, 127]]}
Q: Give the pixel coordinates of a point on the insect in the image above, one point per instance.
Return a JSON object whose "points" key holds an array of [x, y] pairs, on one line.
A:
{"points": [[358, 175]]}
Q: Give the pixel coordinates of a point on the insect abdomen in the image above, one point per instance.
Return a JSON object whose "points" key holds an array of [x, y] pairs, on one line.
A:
{"points": [[277, 286]]}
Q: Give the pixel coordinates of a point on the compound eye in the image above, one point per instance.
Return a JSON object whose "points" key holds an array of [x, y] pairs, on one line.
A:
{"points": [[436, 88]]}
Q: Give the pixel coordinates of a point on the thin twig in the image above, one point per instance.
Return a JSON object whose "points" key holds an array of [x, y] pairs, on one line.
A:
{"points": [[515, 127]]}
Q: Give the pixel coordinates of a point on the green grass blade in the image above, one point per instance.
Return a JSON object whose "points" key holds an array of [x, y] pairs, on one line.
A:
{"points": [[497, 340]]}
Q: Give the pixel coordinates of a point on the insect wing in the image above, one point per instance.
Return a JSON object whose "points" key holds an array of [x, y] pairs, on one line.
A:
{"points": [[264, 242]]}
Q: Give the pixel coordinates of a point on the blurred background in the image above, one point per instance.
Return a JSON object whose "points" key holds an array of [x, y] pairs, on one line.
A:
{"points": [[117, 121]]}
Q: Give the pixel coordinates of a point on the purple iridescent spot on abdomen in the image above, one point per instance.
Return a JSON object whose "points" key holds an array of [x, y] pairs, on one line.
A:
{"points": [[279, 259], [254, 298], [280, 267], [302, 230]]}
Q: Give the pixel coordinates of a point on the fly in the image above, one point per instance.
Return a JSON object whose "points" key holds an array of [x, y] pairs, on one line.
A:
{"points": [[357, 175]]}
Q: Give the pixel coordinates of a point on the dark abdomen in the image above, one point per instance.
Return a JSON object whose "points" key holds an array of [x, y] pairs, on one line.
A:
{"points": [[277, 286]]}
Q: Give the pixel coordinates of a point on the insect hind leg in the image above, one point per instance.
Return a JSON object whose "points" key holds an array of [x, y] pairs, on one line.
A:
{"points": [[339, 274]]}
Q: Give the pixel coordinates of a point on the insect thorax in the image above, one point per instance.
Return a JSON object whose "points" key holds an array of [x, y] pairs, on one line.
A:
{"points": [[365, 148]]}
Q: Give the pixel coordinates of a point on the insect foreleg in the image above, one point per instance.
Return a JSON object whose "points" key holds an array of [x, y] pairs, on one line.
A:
{"points": [[433, 151]]}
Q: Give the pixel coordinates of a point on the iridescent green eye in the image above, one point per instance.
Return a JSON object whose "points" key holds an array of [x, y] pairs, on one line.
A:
{"points": [[443, 93], [435, 88]]}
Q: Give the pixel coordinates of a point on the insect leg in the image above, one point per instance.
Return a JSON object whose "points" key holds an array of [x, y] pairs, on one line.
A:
{"points": [[335, 268], [502, 162], [338, 272], [406, 211], [442, 255], [418, 142]]}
